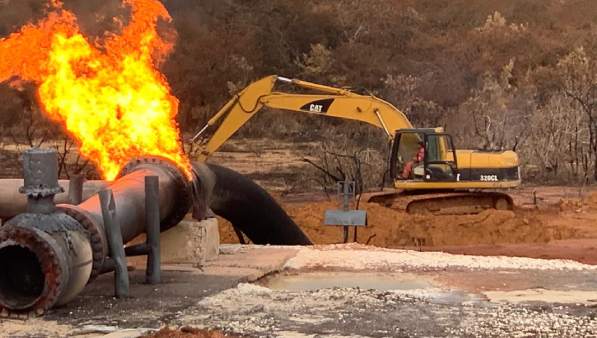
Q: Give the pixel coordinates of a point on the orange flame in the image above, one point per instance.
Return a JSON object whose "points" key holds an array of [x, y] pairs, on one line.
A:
{"points": [[113, 101]]}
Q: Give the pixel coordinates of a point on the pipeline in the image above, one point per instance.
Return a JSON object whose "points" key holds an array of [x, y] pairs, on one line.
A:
{"points": [[218, 191], [246, 205], [50, 253], [13, 203]]}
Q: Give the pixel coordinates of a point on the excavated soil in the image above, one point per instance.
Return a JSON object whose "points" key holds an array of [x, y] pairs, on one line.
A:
{"points": [[188, 332], [566, 219]]}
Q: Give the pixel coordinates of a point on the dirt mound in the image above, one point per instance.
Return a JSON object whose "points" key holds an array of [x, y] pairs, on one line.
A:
{"points": [[579, 204], [188, 332], [571, 204], [391, 228], [380, 222], [488, 227]]}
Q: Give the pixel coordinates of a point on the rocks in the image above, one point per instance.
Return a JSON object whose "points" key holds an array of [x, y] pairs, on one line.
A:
{"points": [[343, 312]]}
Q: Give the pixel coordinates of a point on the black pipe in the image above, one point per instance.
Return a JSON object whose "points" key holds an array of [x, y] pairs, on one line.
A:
{"points": [[247, 206]]}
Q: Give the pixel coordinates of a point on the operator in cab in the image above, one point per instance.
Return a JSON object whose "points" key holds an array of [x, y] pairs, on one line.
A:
{"points": [[418, 158]]}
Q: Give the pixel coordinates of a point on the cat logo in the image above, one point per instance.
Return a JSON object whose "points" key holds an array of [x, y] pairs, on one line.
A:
{"points": [[315, 108], [318, 107]]}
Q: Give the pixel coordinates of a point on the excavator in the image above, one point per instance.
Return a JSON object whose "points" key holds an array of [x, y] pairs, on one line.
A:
{"points": [[447, 181]]}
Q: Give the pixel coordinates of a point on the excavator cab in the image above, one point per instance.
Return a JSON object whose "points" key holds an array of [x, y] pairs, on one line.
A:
{"points": [[439, 164]]}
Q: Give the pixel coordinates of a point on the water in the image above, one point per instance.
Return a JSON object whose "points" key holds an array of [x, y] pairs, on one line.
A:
{"points": [[322, 280], [409, 284]]}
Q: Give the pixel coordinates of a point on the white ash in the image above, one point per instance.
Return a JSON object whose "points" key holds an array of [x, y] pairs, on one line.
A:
{"points": [[352, 257]]}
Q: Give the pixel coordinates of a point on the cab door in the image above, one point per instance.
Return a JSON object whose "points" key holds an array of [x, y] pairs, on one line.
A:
{"points": [[440, 159], [403, 150]]}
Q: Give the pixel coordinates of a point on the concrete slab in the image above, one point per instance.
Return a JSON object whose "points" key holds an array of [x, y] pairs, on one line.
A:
{"points": [[190, 242], [256, 261]]}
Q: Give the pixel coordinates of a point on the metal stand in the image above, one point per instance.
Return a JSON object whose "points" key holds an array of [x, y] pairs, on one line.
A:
{"points": [[114, 236], [151, 247], [75, 189], [152, 207], [346, 217]]}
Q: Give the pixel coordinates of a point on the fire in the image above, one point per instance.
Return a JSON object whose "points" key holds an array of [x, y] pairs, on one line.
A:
{"points": [[111, 98]]}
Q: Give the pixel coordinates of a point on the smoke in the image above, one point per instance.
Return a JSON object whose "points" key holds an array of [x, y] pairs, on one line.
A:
{"points": [[99, 18], [17, 13], [96, 18]]}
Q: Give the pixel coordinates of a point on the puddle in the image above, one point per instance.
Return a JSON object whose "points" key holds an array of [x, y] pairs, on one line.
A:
{"points": [[315, 281], [400, 283], [542, 296]]}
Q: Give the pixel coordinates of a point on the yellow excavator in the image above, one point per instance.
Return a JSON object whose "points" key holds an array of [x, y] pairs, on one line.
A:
{"points": [[446, 181]]}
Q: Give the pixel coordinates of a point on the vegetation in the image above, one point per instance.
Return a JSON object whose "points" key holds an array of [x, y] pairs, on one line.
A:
{"points": [[507, 74]]}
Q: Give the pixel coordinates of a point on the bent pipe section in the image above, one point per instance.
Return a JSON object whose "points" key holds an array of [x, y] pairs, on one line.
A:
{"points": [[246, 205], [46, 260]]}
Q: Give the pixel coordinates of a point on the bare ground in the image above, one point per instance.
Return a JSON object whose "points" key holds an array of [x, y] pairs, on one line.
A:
{"points": [[549, 221]]}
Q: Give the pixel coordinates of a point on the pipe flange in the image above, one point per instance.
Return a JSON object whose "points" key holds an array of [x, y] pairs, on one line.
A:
{"points": [[40, 191], [183, 187], [97, 236], [52, 260]]}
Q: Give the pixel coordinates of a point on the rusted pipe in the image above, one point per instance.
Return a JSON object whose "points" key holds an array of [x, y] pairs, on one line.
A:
{"points": [[46, 259], [45, 256]]}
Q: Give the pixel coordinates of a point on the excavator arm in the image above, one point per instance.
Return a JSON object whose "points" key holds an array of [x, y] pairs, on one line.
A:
{"points": [[333, 102]]}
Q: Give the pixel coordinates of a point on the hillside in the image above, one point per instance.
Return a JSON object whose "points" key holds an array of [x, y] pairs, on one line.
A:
{"points": [[510, 74]]}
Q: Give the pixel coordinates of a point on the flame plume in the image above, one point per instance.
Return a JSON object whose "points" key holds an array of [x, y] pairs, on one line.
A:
{"points": [[111, 99]]}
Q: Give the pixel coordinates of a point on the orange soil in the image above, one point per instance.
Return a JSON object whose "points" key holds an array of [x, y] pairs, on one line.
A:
{"points": [[392, 228], [387, 227]]}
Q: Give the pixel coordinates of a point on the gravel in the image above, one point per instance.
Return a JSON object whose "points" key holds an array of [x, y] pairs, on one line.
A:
{"points": [[338, 312]]}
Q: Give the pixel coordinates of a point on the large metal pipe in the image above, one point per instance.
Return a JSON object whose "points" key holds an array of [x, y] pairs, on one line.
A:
{"points": [[47, 259], [12, 203], [49, 254], [45, 256], [129, 194]]}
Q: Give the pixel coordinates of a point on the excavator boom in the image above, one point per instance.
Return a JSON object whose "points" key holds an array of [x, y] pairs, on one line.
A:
{"points": [[334, 102]]}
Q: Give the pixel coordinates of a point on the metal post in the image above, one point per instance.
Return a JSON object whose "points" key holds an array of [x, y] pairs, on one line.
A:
{"points": [[75, 189], [346, 207], [152, 208], [114, 237]]}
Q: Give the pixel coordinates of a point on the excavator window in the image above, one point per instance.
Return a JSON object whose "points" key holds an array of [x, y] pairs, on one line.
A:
{"points": [[440, 163], [403, 151]]}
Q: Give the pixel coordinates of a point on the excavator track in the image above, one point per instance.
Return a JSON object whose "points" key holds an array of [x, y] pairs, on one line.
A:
{"points": [[443, 203]]}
